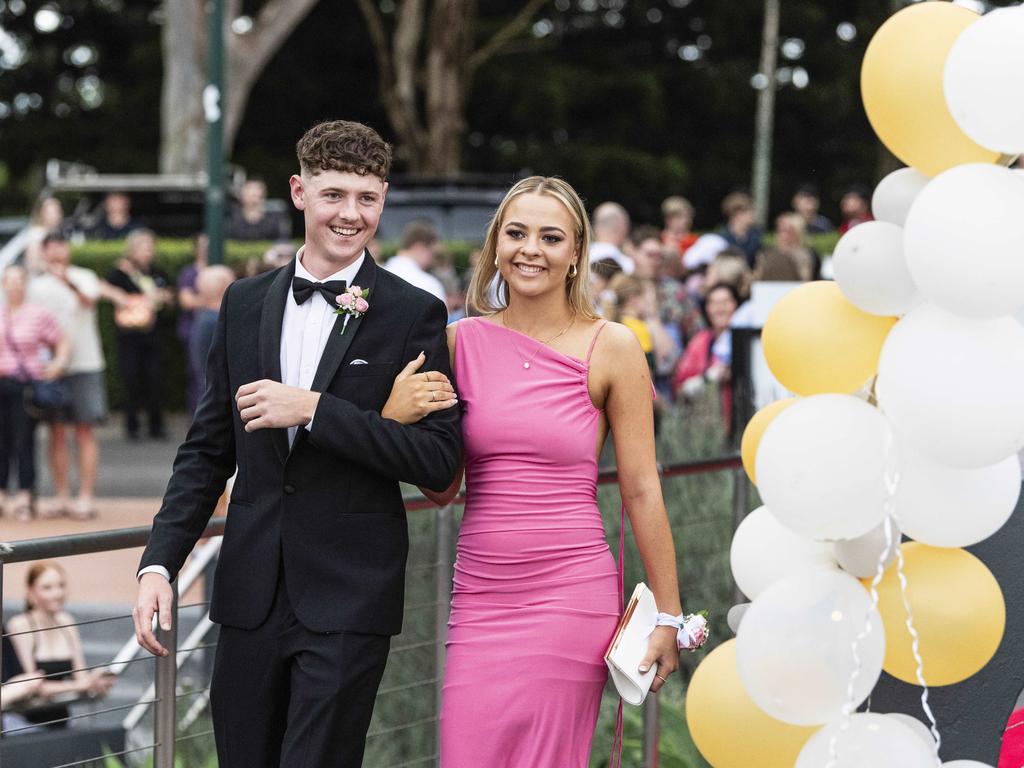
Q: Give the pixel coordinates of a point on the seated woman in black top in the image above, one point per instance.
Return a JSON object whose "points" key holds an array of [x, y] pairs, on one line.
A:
{"points": [[45, 645]]}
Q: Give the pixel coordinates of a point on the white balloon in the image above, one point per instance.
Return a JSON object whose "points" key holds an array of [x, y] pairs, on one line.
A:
{"points": [[821, 466], [916, 726], [735, 616], [764, 551], [895, 193], [871, 741], [963, 240], [954, 507], [871, 271], [984, 73], [859, 557], [794, 647], [952, 386]]}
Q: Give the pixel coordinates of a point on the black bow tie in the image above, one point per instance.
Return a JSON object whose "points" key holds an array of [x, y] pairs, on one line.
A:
{"points": [[302, 289]]}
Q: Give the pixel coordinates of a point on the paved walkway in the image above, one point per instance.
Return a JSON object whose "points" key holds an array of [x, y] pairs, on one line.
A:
{"points": [[131, 482]]}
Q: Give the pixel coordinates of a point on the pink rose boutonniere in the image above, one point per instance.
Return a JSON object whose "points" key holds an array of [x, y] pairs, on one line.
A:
{"points": [[352, 303]]}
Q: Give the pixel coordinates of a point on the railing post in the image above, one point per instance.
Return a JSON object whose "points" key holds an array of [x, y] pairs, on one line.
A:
{"points": [[652, 732], [442, 587], [165, 712], [740, 508]]}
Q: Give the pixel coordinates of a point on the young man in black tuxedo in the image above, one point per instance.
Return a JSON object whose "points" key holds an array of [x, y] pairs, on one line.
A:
{"points": [[309, 587]]}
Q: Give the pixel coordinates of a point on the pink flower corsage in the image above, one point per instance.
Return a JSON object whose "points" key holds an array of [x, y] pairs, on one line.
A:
{"points": [[692, 629], [352, 303]]}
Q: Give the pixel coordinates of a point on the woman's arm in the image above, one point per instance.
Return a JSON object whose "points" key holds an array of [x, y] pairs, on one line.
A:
{"points": [[622, 367], [445, 497]]}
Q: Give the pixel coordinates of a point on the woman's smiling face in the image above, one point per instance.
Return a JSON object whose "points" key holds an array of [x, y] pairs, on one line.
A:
{"points": [[536, 245]]}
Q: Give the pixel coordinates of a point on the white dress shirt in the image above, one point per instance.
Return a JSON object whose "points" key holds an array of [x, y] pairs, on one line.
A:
{"points": [[306, 328], [304, 333]]}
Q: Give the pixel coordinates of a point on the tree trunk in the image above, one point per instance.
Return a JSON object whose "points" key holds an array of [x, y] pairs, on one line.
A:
{"points": [[765, 121], [185, 40], [424, 94], [448, 83], [182, 126]]}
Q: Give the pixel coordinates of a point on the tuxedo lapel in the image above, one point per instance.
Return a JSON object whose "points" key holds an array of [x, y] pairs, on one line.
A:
{"points": [[338, 342], [271, 320]]}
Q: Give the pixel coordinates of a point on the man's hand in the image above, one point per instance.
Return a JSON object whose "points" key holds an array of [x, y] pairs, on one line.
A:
{"points": [[155, 597], [267, 403]]}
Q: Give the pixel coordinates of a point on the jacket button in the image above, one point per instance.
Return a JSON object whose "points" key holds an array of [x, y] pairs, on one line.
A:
{"points": [[289, 489]]}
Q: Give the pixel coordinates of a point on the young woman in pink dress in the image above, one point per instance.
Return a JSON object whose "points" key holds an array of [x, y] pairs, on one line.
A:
{"points": [[541, 380]]}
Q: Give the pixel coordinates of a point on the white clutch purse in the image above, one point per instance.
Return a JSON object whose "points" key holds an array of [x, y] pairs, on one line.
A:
{"points": [[629, 646]]}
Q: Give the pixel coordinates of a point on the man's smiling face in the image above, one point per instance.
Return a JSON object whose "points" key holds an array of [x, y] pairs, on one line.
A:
{"points": [[341, 211]]}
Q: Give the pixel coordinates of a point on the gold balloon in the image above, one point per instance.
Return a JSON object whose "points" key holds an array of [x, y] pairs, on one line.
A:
{"points": [[729, 729], [901, 85], [755, 429], [815, 341], [958, 611]]}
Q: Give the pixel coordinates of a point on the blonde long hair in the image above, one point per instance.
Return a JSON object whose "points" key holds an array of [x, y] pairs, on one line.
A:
{"points": [[577, 287]]}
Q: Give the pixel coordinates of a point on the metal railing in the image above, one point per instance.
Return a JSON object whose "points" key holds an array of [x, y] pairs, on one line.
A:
{"points": [[163, 696]]}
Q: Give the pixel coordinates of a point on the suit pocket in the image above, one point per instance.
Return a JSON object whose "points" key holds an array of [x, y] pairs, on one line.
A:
{"points": [[366, 369]]}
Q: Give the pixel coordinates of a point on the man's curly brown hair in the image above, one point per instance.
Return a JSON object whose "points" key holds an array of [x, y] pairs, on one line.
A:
{"points": [[342, 145]]}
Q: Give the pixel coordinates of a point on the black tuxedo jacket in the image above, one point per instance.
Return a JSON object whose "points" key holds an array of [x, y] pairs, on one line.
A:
{"points": [[328, 510]]}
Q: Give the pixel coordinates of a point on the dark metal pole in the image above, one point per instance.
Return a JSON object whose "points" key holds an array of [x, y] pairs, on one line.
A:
{"points": [[213, 108], [1, 644]]}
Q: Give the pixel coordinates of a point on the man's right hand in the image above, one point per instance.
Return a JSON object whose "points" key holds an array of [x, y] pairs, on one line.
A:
{"points": [[155, 597]]}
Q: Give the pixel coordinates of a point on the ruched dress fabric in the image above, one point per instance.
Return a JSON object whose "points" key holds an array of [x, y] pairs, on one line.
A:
{"points": [[535, 599]]}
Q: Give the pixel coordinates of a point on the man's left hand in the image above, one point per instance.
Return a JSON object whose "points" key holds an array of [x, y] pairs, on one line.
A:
{"points": [[270, 404]]}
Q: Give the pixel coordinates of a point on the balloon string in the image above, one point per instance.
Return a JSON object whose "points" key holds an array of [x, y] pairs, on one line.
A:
{"points": [[915, 647], [851, 696], [892, 480]]}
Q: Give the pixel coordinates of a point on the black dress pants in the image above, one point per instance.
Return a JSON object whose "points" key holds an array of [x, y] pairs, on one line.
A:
{"points": [[139, 361], [17, 436], [284, 696]]}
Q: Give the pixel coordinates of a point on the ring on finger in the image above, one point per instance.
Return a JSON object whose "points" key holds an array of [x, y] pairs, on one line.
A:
{"points": [[660, 678]]}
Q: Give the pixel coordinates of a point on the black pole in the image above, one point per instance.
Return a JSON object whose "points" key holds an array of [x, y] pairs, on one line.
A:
{"points": [[213, 107]]}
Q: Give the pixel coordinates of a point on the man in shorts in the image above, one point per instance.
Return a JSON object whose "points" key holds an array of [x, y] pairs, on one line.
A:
{"points": [[71, 294]]}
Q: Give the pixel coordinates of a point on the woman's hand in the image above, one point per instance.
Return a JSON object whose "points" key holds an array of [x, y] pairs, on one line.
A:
{"points": [[100, 682], [663, 651], [416, 395]]}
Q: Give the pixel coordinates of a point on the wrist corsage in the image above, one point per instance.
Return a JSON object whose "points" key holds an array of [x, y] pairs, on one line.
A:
{"points": [[692, 629], [352, 303]]}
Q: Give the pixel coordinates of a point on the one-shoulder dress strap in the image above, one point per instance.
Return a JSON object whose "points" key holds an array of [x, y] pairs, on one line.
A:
{"points": [[593, 341]]}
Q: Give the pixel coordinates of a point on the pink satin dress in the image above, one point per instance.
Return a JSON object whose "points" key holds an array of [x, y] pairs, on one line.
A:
{"points": [[535, 599]]}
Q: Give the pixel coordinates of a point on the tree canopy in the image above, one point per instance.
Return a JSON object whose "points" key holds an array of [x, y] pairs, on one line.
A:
{"points": [[630, 101]]}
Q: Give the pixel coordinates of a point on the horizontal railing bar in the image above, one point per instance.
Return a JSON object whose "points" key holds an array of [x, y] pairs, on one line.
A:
{"points": [[69, 718], [403, 727], [87, 622], [80, 669], [105, 756], [194, 736], [88, 543]]}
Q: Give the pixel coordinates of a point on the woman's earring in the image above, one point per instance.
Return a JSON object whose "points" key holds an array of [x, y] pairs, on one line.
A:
{"points": [[495, 261], [575, 271]]}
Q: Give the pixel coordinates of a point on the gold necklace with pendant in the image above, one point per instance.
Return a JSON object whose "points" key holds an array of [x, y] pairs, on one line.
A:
{"points": [[526, 363]]}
